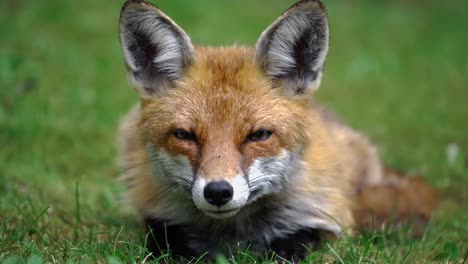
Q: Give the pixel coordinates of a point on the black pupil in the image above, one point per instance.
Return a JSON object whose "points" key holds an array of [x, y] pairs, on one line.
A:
{"points": [[185, 135], [259, 135]]}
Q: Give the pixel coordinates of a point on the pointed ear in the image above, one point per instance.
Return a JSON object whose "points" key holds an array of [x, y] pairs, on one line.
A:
{"points": [[156, 50], [292, 50]]}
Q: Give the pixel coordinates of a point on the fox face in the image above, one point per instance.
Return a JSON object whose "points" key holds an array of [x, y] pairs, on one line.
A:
{"points": [[225, 126], [226, 143]]}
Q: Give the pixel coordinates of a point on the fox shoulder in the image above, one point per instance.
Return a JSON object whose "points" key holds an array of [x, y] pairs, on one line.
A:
{"points": [[382, 197]]}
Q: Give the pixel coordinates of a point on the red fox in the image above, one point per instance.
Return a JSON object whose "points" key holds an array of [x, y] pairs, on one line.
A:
{"points": [[227, 150]]}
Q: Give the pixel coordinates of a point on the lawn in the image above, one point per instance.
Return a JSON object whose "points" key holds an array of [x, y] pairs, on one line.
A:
{"points": [[397, 70]]}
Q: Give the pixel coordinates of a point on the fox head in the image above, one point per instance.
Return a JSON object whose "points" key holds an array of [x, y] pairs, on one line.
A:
{"points": [[227, 126]]}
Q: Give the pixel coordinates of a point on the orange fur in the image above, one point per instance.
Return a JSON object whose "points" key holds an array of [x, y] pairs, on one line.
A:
{"points": [[235, 85], [239, 97], [223, 95]]}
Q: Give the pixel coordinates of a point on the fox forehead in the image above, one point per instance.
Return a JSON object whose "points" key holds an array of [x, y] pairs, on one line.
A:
{"points": [[224, 92], [221, 86]]}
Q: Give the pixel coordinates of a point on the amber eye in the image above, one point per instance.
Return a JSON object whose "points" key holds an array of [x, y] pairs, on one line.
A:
{"points": [[260, 135], [184, 135]]}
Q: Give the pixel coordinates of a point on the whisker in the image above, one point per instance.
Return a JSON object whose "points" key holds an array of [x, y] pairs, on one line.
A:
{"points": [[184, 181], [136, 166]]}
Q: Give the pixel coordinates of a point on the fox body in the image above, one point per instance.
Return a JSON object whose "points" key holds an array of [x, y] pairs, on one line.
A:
{"points": [[227, 149]]}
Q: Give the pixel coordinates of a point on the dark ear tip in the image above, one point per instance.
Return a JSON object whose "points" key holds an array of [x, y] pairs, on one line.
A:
{"points": [[127, 5], [311, 3], [131, 2], [143, 3]]}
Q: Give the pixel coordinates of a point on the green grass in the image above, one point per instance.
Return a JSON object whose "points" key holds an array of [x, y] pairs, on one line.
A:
{"points": [[397, 70]]}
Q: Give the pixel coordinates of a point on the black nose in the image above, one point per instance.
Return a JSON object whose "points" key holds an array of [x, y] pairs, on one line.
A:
{"points": [[218, 193]]}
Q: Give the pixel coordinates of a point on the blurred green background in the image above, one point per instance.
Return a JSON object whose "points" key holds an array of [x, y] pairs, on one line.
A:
{"points": [[397, 70]]}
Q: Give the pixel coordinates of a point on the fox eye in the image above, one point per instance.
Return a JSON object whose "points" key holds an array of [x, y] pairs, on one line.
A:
{"points": [[184, 135], [259, 135]]}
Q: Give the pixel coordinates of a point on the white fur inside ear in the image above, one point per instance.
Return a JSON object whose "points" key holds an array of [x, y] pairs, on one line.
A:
{"points": [[168, 55], [294, 48], [282, 44]]}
